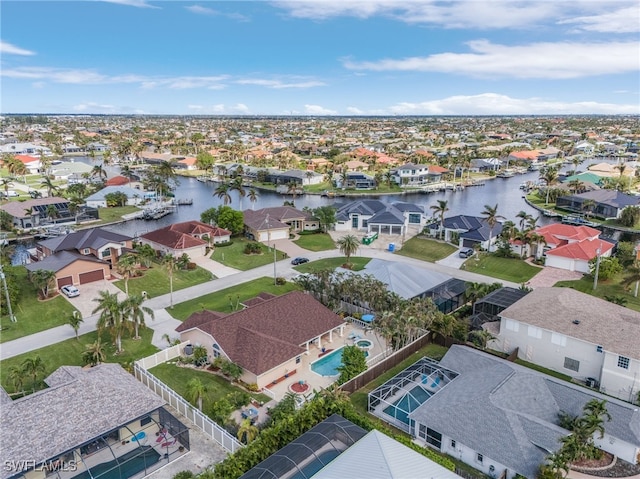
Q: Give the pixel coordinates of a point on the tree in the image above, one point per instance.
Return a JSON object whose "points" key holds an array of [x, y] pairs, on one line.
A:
{"points": [[195, 392], [222, 192], [116, 198], [632, 277], [33, 366], [348, 245], [440, 209], [145, 253], [111, 317], [630, 216], [326, 216], [247, 431], [75, 320], [16, 378], [127, 268], [94, 353], [135, 312], [99, 172], [47, 182], [253, 197], [6, 183], [491, 217], [232, 370], [608, 268], [354, 362], [43, 279], [550, 176], [524, 217], [224, 217], [170, 264], [588, 206], [236, 185]]}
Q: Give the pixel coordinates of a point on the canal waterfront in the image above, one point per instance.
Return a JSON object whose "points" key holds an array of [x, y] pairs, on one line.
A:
{"points": [[504, 192]]}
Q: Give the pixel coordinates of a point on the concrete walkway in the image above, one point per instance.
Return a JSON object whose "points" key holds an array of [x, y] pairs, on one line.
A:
{"points": [[165, 324]]}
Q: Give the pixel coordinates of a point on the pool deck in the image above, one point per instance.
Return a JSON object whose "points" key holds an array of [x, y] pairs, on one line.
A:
{"points": [[316, 381]]}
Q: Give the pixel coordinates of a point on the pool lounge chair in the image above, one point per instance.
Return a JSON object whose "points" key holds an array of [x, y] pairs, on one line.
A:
{"points": [[436, 382]]}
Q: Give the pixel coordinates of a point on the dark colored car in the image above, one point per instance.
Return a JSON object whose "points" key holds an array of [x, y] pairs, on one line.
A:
{"points": [[299, 260]]}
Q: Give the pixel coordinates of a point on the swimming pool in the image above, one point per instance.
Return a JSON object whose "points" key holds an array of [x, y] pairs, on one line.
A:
{"points": [[407, 404], [328, 364], [125, 466]]}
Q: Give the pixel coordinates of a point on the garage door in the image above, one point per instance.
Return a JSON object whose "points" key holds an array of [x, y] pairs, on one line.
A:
{"points": [[91, 276], [467, 243], [65, 281]]}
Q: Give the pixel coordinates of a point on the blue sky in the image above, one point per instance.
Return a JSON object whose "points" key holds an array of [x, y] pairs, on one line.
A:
{"points": [[339, 57]]}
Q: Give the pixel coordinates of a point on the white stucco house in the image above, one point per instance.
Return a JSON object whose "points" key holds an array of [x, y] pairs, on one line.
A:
{"points": [[577, 334], [135, 197]]}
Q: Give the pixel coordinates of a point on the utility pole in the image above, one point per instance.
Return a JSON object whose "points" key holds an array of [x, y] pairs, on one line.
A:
{"points": [[595, 276], [6, 294]]}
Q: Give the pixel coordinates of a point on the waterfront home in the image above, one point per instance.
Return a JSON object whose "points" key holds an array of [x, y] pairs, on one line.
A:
{"points": [[382, 218], [25, 149], [193, 238], [277, 222], [134, 196], [88, 420], [413, 175], [357, 180], [470, 231], [267, 338], [606, 203], [32, 163], [578, 335], [80, 257], [33, 213]]}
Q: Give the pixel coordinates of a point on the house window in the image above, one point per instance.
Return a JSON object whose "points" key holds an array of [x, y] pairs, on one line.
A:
{"points": [[559, 339], [623, 362], [365, 223], [534, 332], [453, 444], [414, 218], [572, 364], [144, 421], [434, 438], [298, 359], [86, 251], [422, 431], [105, 253], [512, 325], [355, 221], [479, 458], [216, 353]]}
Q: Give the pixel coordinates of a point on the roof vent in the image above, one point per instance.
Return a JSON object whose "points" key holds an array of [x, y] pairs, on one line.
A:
{"points": [[576, 321]]}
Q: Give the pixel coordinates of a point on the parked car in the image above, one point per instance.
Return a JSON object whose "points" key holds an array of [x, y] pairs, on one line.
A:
{"points": [[70, 291], [10, 194], [465, 252], [299, 260]]}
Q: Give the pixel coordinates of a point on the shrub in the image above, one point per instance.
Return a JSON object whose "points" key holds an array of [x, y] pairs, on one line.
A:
{"points": [[253, 248], [253, 387], [224, 244], [281, 281], [184, 475]]}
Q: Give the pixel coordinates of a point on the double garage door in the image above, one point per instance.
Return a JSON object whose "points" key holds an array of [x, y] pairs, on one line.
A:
{"points": [[89, 277]]}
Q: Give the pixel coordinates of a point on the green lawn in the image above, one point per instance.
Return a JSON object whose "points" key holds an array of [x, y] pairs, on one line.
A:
{"points": [[155, 281], [316, 242], [217, 387], [610, 287], [426, 249], [69, 353], [359, 398], [508, 269], [226, 300], [32, 314], [234, 257], [109, 215], [358, 263]]}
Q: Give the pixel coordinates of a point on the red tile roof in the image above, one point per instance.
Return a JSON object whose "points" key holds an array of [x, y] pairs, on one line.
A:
{"points": [[584, 250], [117, 181], [559, 234], [26, 158], [269, 333]]}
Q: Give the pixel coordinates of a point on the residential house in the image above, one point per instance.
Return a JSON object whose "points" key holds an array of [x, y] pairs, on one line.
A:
{"points": [[193, 238], [409, 281], [120, 180], [608, 170], [608, 203], [357, 180], [571, 247], [337, 447], [33, 213], [502, 418], [483, 165], [268, 338], [65, 169], [413, 175], [32, 163], [470, 231], [584, 148], [80, 424], [135, 197], [80, 257], [578, 335], [275, 223], [377, 216], [25, 149]]}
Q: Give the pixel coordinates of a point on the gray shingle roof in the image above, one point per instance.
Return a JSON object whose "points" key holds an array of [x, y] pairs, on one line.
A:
{"points": [[509, 413], [60, 260], [92, 402], [603, 323], [92, 238]]}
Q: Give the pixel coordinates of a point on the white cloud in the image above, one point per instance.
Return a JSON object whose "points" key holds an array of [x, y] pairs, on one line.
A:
{"points": [[277, 84], [537, 60], [622, 20], [318, 110], [222, 109], [239, 108], [355, 111], [132, 3], [199, 10], [9, 49], [195, 107], [91, 107], [496, 104]]}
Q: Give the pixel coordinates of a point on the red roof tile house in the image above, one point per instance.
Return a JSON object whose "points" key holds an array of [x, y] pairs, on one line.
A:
{"points": [[267, 338], [572, 247], [191, 237]]}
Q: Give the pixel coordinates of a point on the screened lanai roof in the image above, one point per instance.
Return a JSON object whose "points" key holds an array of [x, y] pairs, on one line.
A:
{"points": [[303, 457], [503, 297]]}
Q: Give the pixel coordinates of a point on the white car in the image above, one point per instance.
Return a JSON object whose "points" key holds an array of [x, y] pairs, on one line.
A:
{"points": [[70, 291]]}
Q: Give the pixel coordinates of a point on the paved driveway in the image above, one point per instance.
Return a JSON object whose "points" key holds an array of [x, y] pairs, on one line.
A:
{"points": [[88, 292], [549, 276], [453, 260]]}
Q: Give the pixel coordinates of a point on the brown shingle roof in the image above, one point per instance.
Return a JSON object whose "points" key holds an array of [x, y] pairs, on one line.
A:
{"points": [[181, 235], [615, 328], [269, 333]]}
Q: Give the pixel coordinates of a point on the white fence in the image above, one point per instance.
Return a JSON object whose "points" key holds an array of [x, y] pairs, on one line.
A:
{"points": [[161, 356], [202, 422]]}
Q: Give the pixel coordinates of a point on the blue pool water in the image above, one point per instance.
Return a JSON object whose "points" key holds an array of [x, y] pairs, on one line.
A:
{"points": [[139, 436], [328, 365], [125, 466], [407, 404]]}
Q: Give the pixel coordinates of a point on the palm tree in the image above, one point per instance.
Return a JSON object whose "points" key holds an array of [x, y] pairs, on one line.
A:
{"points": [[111, 316], [195, 392], [633, 276], [170, 264], [348, 245], [524, 217], [43, 279], [587, 206], [16, 378], [253, 197], [94, 353], [47, 182], [247, 431], [166, 170], [222, 192], [441, 209], [6, 183], [550, 176], [127, 267], [75, 320], [236, 185], [32, 367], [492, 218], [134, 311]]}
